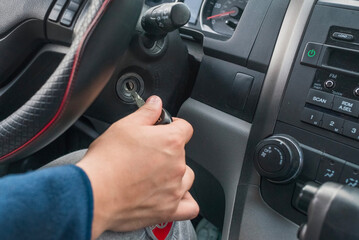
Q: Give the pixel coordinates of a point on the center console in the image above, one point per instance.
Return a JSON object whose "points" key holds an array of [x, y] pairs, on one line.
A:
{"points": [[319, 112]]}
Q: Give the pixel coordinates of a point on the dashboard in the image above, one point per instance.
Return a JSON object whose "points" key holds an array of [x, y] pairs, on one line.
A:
{"points": [[214, 18], [271, 88]]}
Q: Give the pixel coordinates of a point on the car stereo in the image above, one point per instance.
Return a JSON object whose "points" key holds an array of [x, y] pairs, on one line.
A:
{"points": [[319, 113]]}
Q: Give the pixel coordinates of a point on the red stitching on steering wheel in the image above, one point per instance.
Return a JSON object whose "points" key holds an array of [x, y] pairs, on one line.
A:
{"points": [[73, 71]]}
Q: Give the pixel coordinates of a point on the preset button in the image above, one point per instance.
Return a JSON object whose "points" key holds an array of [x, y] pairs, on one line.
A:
{"points": [[312, 116], [351, 129], [332, 123]]}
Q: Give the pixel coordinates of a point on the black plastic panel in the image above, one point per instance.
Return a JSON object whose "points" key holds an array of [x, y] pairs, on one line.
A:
{"points": [[209, 194], [15, 12], [261, 53], [30, 80], [218, 86], [18, 47], [166, 76]]}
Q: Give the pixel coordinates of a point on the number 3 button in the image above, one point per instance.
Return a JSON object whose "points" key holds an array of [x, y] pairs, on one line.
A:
{"points": [[351, 129]]}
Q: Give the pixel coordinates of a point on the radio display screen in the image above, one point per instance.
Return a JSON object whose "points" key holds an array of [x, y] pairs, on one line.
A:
{"points": [[343, 59]]}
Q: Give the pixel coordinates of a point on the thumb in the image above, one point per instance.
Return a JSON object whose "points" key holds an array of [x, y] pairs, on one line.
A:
{"points": [[149, 113]]}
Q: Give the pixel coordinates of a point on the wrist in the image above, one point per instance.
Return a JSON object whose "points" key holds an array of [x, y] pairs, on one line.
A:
{"points": [[101, 220]]}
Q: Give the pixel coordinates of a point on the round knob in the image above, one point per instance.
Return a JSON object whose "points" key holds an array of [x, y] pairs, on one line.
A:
{"points": [[279, 158]]}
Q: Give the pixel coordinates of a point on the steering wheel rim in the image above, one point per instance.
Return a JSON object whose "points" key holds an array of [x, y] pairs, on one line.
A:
{"points": [[100, 38]]}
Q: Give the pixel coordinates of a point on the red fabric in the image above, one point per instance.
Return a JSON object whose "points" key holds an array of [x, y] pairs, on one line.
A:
{"points": [[162, 233]]}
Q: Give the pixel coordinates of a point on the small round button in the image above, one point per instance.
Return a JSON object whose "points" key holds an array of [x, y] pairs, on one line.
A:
{"points": [[356, 92], [271, 158], [329, 83]]}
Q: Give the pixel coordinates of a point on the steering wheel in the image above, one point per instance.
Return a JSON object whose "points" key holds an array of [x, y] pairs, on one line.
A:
{"points": [[101, 34]]}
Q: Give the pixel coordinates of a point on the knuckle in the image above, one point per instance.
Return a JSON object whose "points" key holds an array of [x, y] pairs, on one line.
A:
{"points": [[177, 194], [175, 140], [181, 170], [186, 126]]}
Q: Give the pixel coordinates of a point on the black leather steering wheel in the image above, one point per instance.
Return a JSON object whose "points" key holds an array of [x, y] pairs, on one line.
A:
{"points": [[101, 35]]}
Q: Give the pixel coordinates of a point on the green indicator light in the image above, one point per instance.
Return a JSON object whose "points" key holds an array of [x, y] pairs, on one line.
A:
{"points": [[311, 53]]}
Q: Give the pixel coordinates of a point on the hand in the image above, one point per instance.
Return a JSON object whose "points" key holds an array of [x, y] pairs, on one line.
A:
{"points": [[138, 172]]}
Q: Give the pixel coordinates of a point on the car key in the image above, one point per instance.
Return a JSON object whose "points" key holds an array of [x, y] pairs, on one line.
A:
{"points": [[165, 117]]}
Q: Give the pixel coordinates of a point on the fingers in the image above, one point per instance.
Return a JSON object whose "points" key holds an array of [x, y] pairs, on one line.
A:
{"points": [[183, 127], [187, 180], [148, 114], [187, 209]]}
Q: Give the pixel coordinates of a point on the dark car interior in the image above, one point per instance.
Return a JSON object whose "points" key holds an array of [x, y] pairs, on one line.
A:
{"points": [[271, 88]]}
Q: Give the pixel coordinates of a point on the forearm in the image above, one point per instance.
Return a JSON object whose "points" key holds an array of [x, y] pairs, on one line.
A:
{"points": [[55, 203]]}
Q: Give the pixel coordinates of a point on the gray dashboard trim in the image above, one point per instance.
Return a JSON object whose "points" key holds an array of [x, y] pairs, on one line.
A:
{"points": [[249, 209], [218, 145], [348, 4], [262, 222], [289, 38]]}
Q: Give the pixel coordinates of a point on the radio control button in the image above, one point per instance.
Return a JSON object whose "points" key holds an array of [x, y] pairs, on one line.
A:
{"points": [[332, 123], [311, 54], [329, 84], [343, 36], [319, 98], [312, 116], [346, 105], [351, 129], [356, 92]]}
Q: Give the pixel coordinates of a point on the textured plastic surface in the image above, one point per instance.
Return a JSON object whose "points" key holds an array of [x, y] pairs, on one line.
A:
{"points": [[30, 80]]}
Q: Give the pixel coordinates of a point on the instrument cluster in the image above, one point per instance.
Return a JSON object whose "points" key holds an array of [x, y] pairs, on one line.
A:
{"points": [[212, 17]]}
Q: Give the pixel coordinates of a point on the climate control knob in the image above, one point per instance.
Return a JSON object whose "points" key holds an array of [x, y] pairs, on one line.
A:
{"points": [[279, 158]]}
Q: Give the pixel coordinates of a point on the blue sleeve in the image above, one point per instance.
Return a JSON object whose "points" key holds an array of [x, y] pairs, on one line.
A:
{"points": [[54, 203]]}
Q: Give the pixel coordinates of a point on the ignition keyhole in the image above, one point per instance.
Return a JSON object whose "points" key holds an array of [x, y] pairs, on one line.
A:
{"points": [[130, 86]]}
